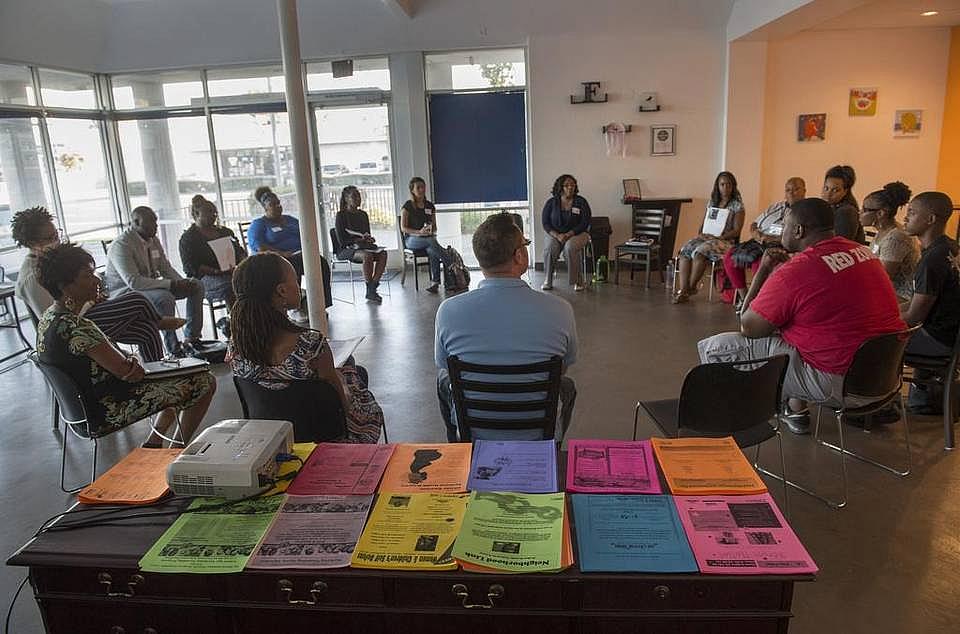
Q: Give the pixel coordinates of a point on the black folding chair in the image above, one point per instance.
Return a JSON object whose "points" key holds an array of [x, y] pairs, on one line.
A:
{"points": [[942, 372], [737, 398], [411, 255], [541, 395], [312, 406]]}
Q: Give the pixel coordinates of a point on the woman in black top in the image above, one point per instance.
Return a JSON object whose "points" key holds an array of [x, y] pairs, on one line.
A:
{"points": [[838, 191], [566, 221], [419, 228], [356, 243], [198, 257]]}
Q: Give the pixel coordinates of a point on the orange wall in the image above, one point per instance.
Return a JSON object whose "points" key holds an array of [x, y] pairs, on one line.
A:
{"points": [[948, 173]]}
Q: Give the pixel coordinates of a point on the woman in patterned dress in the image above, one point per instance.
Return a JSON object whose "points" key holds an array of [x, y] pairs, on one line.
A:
{"points": [[110, 382], [268, 348]]}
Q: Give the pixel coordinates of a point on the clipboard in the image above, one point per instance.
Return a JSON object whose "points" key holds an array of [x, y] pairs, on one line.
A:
{"points": [[715, 220]]}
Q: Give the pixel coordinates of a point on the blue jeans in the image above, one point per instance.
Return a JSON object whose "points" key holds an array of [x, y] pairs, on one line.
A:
{"points": [[166, 304], [435, 252]]}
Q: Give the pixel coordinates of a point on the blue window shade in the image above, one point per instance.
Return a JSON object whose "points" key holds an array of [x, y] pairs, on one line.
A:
{"points": [[478, 147]]}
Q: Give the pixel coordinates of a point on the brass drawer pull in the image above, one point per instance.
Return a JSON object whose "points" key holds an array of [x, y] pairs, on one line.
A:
{"points": [[495, 591], [662, 592], [285, 586], [107, 582]]}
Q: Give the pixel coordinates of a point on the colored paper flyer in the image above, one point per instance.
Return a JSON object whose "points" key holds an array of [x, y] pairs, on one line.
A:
{"points": [[521, 532], [342, 469], [439, 468], [706, 466], [411, 532], [313, 532], [631, 533], [742, 535], [611, 466], [523, 466], [566, 555], [212, 536], [140, 478]]}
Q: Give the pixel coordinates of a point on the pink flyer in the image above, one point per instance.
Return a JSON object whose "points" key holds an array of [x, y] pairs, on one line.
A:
{"points": [[342, 469], [611, 466]]}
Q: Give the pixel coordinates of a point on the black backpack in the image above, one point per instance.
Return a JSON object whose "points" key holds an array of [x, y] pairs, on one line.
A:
{"points": [[455, 274]]}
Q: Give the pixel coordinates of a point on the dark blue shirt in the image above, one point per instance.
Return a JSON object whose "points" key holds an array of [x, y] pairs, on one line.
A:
{"points": [[576, 219]]}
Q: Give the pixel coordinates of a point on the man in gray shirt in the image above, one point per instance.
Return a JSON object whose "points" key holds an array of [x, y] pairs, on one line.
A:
{"points": [[504, 322], [136, 261]]}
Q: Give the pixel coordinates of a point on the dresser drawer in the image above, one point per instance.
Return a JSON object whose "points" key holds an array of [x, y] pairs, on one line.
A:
{"points": [[482, 592], [285, 621], [119, 583], [684, 594], [680, 625], [306, 589], [72, 617], [486, 622]]}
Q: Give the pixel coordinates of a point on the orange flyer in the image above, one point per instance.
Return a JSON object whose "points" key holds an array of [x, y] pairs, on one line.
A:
{"points": [[140, 478], [706, 466], [439, 468], [566, 552]]}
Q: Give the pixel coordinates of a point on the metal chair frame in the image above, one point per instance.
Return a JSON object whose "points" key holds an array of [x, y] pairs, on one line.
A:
{"points": [[943, 368], [410, 255]]}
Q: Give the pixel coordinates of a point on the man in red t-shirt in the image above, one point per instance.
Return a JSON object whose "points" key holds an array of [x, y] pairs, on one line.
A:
{"points": [[817, 306]]}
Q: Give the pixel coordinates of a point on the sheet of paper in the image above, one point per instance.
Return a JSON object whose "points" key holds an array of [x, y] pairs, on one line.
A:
{"points": [[742, 535], [411, 532], [522, 466], [342, 469], [219, 540], [439, 468], [566, 556], [513, 531], [706, 466], [714, 221], [631, 533], [223, 249], [313, 531], [140, 478], [611, 466], [343, 348]]}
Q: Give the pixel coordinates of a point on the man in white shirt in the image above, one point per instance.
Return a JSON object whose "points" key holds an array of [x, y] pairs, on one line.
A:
{"points": [[136, 261]]}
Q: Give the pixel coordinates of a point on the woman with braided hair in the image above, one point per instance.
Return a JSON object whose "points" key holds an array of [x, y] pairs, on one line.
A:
{"points": [[269, 349], [899, 252]]}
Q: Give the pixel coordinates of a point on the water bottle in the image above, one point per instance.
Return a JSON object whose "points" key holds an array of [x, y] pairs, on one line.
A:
{"points": [[668, 278], [603, 269]]}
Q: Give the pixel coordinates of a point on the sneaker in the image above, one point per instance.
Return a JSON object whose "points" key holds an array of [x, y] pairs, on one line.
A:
{"points": [[546, 286], [797, 422], [374, 298], [434, 288], [579, 287]]}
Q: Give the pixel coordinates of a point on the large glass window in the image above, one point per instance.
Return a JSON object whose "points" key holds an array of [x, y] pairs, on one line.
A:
{"points": [[228, 82], [16, 86], [366, 73], [354, 148], [23, 174], [81, 174], [469, 70], [253, 150], [156, 90], [63, 89]]}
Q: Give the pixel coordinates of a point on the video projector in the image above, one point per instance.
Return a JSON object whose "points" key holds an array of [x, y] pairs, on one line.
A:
{"points": [[232, 459]]}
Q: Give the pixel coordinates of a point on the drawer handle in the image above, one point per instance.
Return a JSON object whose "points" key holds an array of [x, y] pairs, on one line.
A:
{"points": [[107, 582], [662, 592], [495, 591], [316, 589]]}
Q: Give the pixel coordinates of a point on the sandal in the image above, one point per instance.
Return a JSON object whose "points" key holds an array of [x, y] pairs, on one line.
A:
{"points": [[680, 298]]}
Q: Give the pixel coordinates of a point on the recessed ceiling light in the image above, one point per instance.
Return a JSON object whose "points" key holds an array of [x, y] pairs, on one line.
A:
{"points": [[927, 14]]}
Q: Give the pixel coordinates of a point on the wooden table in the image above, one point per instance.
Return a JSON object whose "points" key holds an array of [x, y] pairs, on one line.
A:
{"points": [[86, 580]]}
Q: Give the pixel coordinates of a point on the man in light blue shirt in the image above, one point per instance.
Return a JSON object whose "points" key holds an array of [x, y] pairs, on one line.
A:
{"points": [[504, 322]]}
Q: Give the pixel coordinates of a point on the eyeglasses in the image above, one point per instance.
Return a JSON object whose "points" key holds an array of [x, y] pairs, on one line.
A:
{"points": [[872, 210]]}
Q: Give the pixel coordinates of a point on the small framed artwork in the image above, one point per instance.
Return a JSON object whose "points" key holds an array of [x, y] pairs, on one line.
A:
{"points": [[631, 189], [663, 140], [811, 127], [863, 102], [908, 123]]}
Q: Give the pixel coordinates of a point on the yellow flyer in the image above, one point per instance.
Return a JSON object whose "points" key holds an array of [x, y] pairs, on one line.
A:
{"points": [[439, 468], [411, 532], [706, 466]]}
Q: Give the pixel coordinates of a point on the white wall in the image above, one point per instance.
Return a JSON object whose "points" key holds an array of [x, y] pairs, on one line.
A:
{"points": [[813, 72], [683, 66]]}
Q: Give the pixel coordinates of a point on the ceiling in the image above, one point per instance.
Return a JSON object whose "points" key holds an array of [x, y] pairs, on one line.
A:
{"points": [[889, 14]]}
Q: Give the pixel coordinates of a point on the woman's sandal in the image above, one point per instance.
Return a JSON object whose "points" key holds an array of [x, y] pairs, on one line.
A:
{"points": [[680, 298], [171, 323]]}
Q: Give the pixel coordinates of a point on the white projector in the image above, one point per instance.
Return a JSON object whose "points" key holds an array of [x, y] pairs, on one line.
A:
{"points": [[232, 459]]}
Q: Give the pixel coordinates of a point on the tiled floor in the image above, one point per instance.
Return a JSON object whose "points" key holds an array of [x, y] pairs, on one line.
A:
{"points": [[890, 561]]}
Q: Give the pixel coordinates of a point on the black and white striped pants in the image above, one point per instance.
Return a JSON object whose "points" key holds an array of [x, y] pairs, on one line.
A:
{"points": [[130, 318]]}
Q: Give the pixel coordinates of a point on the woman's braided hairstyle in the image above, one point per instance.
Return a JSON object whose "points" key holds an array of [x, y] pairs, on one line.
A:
{"points": [[254, 322]]}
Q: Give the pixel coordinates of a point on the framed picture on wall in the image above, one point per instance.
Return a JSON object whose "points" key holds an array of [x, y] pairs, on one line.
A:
{"points": [[631, 189], [663, 140], [811, 127], [907, 123]]}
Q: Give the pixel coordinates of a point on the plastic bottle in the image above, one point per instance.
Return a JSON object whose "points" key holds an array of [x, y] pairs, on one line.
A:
{"points": [[668, 277], [603, 269]]}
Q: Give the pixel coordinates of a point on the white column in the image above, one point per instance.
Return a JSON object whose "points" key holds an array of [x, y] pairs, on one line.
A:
{"points": [[302, 172]]}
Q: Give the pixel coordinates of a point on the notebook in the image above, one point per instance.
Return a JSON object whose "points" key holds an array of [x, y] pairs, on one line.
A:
{"points": [[174, 367]]}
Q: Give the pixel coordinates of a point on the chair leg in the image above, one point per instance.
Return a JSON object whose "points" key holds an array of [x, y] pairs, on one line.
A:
{"points": [[55, 410], [713, 270], [63, 463], [949, 385], [403, 271], [353, 289], [416, 275], [846, 452], [213, 322], [636, 419], [783, 471]]}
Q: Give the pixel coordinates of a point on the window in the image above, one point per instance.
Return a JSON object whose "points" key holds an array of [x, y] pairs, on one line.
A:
{"points": [[254, 150], [81, 174], [23, 174], [229, 82], [156, 90], [62, 89], [468, 70], [16, 86], [367, 73]]}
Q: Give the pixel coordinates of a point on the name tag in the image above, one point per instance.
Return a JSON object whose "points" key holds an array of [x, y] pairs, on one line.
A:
{"points": [[276, 229], [575, 211], [154, 255], [429, 212]]}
